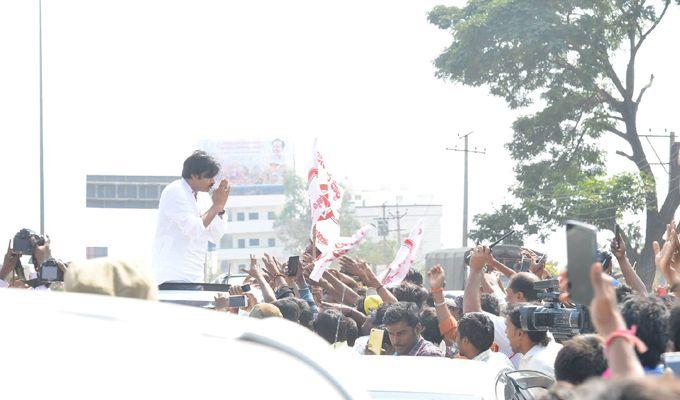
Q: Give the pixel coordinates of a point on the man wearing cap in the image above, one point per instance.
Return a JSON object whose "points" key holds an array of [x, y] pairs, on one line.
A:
{"points": [[183, 230]]}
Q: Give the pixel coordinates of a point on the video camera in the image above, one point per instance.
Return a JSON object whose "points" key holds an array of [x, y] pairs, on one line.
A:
{"points": [[553, 315]]}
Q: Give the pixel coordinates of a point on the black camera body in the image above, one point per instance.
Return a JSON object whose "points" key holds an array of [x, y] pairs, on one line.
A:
{"points": [[50, 271], [564, 322], [22, 243]]}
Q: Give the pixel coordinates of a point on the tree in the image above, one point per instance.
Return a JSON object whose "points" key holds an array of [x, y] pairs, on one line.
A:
{"points": [[558, 57], [380, 252]]}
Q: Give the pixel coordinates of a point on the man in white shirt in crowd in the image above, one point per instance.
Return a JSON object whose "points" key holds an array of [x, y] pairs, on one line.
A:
{"points": [[538, 350], [474, 339], [520, 289], [183, 230]]}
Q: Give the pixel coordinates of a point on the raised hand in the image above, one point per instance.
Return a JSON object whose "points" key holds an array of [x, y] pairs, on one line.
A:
{"points": [[10, 261], [481, 256], [221, 194], [436, 277]]}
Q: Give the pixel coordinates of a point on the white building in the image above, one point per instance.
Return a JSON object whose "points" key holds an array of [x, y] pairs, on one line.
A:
{"points": [[373, 206]]}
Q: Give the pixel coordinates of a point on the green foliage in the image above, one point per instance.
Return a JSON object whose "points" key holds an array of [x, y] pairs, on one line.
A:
{"points": [[293, 224], [556, 56], [502, 220], [376, 252]]}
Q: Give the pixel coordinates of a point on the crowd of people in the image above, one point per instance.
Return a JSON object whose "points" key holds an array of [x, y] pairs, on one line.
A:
{"points": [[349, 307]]}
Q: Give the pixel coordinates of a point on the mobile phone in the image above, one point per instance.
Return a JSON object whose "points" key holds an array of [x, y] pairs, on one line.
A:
{"points": [[672, 361], [617, 235], [526, 264], [375, 341], [237, 301], [293, 264], [581, 255], [245, 288]]}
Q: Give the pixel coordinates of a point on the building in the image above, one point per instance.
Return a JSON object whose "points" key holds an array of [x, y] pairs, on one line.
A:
{"points": [[383, 216]]}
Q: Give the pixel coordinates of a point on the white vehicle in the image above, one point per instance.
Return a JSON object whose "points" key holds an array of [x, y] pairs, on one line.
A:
{"points": [[78, 346], [435, 378]]}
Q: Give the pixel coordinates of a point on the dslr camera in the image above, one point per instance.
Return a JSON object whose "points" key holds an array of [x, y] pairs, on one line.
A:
{"points": [[50, 271], [23, 244], [564, 322]]}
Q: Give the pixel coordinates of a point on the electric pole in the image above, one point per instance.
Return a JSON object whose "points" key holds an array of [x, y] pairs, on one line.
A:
{"points": [[466, 150], [398, 217], [383, 223]]}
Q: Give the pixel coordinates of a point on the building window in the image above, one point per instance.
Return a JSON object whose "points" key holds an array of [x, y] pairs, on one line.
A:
{"points": [[240, 216], [254, 242], [241, 243], [127, 191], [227, 242], [149, 192], [253, 215], [271, 215], [271, 242], [106, 191], [96, 252]]}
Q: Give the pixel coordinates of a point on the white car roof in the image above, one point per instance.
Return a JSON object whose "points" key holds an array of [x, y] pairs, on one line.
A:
{"points": [[393, 377], [83, 346]]}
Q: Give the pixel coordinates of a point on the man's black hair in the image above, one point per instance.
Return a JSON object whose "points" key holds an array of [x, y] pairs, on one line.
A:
{"points": [[202, 164], [523, 282], [410, 292], [402, 311], [622, 293], [581, 357], [330, 325], [306, 315], [379, 314], [674, 327], [537, 337], [490, 304], [650, 315], [414, 277], [430, 323], [289, 309], [477, 327], [352, 331]]}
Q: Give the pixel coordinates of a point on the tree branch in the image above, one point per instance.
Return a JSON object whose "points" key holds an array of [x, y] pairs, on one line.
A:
{"points": [[617, 132], [628, 156], [651, 29], [644, 89], [611, 74]]}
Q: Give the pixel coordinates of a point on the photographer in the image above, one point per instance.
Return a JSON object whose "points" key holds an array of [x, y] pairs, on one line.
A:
{"points": [[538, 350], [27, 242]]}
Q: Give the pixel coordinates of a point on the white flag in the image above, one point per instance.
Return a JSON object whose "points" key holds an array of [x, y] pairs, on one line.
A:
{"points": [[325, 200], [340, 248], [406, 255]]}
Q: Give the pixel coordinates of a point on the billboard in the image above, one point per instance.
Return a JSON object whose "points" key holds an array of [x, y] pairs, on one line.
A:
{"points": [[251, 162]]}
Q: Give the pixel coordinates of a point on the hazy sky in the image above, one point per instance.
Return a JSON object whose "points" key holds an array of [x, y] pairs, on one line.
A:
{"points": [[131, 86]]}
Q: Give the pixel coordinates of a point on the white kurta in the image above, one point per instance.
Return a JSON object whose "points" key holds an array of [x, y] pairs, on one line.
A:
{"points": [[181, 241]]}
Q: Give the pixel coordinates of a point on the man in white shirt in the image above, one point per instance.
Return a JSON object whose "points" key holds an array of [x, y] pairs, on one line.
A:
{"points": [[538, 349], [183, 230], [480, 257], [474, 338]]}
